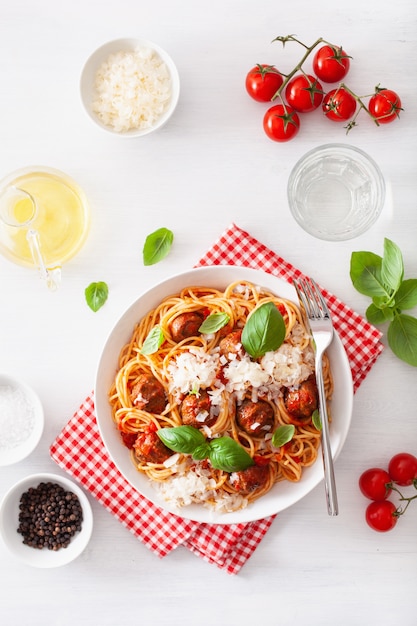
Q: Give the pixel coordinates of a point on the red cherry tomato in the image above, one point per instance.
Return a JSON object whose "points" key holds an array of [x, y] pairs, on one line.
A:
{"points": [[330, 64], [381, 516], [373, 484], [403, 468], [339, 105], [304, 93], [385, 106], [281, 123], [262, 82]]}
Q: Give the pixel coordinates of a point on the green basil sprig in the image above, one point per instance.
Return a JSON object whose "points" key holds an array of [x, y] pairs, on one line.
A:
{"points": [[213, 323], [157, 245], [264, 330], [224, 453], [382, 279], [96, 295]]}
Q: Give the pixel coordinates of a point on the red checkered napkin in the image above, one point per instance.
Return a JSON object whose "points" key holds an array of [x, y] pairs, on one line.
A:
{"points": [[79, 450]]}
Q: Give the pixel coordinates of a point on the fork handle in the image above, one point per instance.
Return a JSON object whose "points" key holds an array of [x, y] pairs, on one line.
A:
{"points": [[329, 479]]}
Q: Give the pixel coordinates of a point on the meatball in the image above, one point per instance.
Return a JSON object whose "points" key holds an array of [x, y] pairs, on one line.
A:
{"points": [[195, 410], [150, 449], [256, 418], [302, 401], [231, 343], [251, 478], [148, 394], [186, 325]]}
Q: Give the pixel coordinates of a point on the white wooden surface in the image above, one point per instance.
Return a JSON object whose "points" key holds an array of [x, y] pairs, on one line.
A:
{"points": [[210, 166]]}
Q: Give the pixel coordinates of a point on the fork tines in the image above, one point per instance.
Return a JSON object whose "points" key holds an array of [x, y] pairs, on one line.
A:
{"points": [[314, 304]]}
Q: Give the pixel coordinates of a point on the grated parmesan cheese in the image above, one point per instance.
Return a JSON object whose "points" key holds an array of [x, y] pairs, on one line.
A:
{"points": [[197, 486], [184, 488], [289, 365], [192, 370], [133, 90], [196, 369]]}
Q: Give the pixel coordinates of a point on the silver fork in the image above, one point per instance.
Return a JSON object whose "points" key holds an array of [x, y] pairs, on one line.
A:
{"points": [[321, 328]]}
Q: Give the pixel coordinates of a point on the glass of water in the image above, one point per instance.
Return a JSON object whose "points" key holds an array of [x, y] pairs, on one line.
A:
{"points": [[336, 192]]}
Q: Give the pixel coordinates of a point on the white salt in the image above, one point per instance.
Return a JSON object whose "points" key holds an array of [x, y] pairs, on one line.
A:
{"points": [[17, 417]]}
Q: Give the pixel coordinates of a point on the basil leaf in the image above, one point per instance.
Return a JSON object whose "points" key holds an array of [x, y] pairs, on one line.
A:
{"points": [[316, 419], [227, 455], [264, 330], [365, 273], [157, 245], [153, 341], [96, 295], [359, 261], [201, 452], [183, 439], [214, 322], [392, 266], [402, 338], [406, 296], [283, 435], [377, 315]]}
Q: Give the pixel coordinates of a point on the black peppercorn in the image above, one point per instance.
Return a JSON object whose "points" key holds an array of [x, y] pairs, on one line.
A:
{"points": [[49, 516]]}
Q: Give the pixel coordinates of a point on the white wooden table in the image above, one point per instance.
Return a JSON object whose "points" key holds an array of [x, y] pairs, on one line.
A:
{"points": [[209, 166]]}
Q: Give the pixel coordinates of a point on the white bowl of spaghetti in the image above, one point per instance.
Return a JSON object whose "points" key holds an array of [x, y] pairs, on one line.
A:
{"points": [[206, 482]]}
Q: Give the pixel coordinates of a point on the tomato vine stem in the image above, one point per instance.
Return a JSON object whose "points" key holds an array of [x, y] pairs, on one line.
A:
{"points": [[400, 511], [298, 67]]}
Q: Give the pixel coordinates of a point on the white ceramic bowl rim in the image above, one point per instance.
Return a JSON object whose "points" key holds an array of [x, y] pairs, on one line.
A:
{"points": [[100, 55], [283, 494], [9, 523]]}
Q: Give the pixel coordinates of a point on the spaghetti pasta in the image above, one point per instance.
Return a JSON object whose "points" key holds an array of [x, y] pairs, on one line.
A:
{"points": [[208, 381]]}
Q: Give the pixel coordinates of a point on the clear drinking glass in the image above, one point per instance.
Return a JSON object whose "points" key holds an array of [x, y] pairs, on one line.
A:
{"points": [[336, 192]]}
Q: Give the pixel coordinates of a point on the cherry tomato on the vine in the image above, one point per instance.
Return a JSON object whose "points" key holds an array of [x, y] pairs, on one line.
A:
{"points": [[381, 516], [385, 106], [330, 64], [339, 105], [304, 93], [403, 468], [373, 484], [262, 82], [281, 123]]}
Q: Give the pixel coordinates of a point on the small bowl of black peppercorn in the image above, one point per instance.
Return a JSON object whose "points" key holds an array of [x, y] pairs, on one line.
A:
{"points": [[46, 520]]}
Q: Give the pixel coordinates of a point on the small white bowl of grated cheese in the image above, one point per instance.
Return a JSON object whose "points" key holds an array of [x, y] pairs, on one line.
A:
{"points": [[130, 87], [21, 420]]}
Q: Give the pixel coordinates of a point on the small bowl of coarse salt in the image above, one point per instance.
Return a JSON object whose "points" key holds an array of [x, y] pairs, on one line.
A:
{"points": [[46, 520], [130, 87], [21, 420]]}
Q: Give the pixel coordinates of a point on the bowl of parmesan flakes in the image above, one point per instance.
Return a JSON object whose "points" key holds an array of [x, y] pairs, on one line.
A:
{"points": [[130, 87]]}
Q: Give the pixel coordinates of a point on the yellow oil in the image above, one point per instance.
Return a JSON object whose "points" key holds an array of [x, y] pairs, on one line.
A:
{"points": [[61, 218], [23, 211]]}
